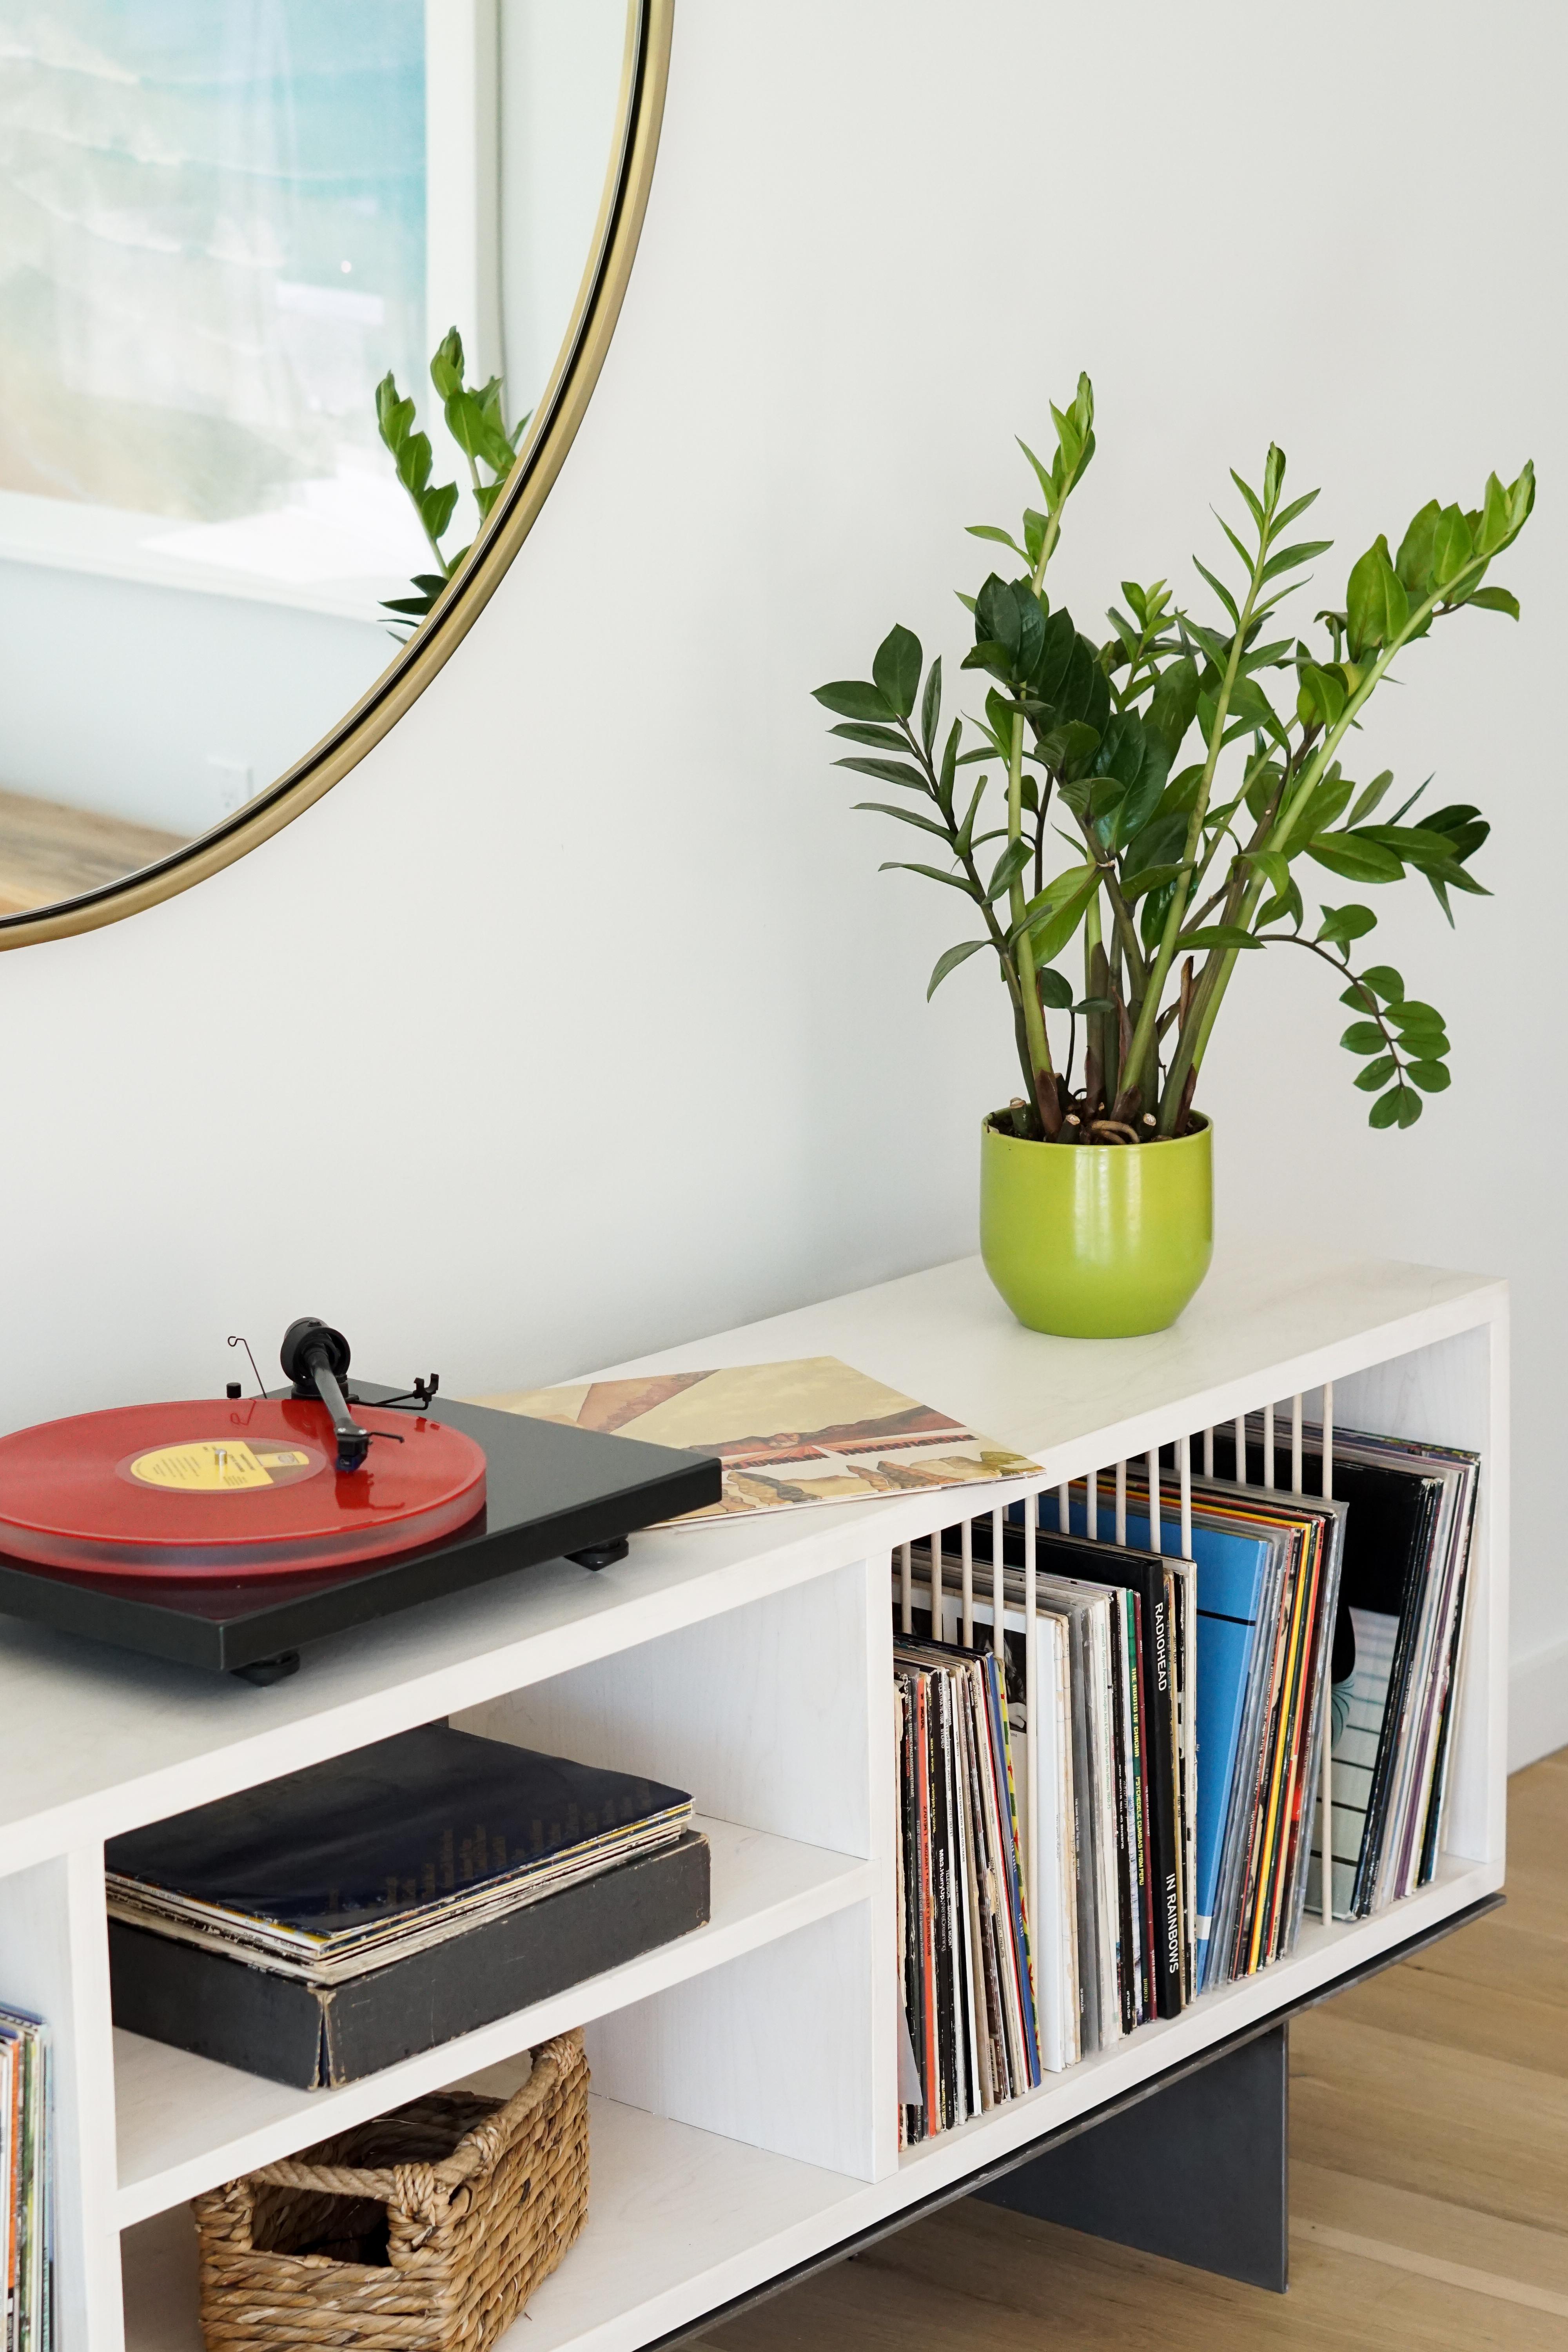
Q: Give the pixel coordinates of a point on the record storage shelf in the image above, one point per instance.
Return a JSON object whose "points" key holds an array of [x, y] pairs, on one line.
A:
{"points": [[745, 2077]]}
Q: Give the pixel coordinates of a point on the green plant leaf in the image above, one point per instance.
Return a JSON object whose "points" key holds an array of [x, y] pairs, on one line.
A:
{"points": [[880, 739], [1290, 559], [1414, 561], [1056, 989], [1364, 1037], [1013, 861], [1217, 935], [854, 698], [896, 669], [1343, 924], [1272, 866], [932, 872], [1329, 798], [965, 841], [1375, 1074], [931, 706], [1152, 915], [904, 816], [1400, 1106], [446, 363], [436, 508], [1495, 600], [1354, 858], [949, 959], [1451, 546], [1376, 601], [1430, 1077], [1368, 800], [996, 615], [1381, 979], [1052, 917], [1321, 696], [1248, 702], [1221, 592], [949, 769], [1173, 704], [1180, 793], [1148, 878], [1284, 906], [888, 772], [992, 531]]}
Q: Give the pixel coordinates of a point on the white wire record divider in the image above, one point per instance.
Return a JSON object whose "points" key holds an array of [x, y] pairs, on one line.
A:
{"points": [[745, 2112]]}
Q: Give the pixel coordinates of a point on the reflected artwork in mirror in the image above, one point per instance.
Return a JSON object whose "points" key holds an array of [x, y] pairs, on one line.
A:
{"points": [[301, 301]]}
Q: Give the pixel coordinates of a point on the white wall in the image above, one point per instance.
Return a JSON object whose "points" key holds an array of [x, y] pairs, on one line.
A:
{"points": [[146, 702], [642, 1046]]}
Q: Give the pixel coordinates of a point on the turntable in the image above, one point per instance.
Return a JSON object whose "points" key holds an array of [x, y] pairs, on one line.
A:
{"points": [[224, 1532]]}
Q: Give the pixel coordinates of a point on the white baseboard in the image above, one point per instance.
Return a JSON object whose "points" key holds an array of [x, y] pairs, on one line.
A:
{"points": [[1538, 1705]]}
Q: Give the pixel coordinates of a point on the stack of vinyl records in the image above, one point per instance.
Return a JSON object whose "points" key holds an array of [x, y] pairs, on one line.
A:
{"points": [[1114, 1942], [1175, 1737], [351, 1865], [970, 2035], [1409, 1526], [26, 2250], [1267, 1567], [320, 1926]]}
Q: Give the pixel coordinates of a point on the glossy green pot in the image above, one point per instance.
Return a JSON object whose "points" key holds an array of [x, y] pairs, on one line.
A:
{"points": [[1096, 1241]]}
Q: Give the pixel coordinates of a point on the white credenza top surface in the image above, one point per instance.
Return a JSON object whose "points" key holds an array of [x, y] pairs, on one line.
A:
{"points": [[93, 1739]]}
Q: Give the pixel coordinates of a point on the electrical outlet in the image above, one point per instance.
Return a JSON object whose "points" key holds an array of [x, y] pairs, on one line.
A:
{"points": [[231, 781]]}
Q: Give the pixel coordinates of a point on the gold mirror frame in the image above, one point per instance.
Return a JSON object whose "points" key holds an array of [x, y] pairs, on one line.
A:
{"points": [[644, 75]]}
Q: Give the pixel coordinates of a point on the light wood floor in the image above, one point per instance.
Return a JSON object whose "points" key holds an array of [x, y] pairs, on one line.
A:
{"points": [[48, 851], [1428, 2182]]}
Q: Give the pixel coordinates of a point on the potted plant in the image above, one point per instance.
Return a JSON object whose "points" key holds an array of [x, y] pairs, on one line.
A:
{"points": [[1196, 769]]}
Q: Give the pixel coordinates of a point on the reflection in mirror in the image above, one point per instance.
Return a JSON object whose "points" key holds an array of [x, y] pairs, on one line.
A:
{"points": [[223, 225]]}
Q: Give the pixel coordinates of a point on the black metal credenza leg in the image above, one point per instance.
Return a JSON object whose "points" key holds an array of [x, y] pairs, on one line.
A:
{"points": [[1197, 2171]]}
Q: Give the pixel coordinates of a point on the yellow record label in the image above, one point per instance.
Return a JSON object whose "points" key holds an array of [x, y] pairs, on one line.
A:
{"points": [[215, 1466]]}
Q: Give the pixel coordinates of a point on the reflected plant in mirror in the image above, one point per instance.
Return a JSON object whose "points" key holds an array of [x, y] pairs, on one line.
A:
{"points": [[475, 421]]}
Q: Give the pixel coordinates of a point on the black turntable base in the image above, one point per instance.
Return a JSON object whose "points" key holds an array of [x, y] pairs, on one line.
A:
{"points": [[548, 1490]]}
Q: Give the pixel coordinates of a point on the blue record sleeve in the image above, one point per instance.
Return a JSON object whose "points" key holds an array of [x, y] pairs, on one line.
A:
{"points": [[1232, 1572]]}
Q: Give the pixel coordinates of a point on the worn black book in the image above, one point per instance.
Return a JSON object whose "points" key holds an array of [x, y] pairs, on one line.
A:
{"points": [[329, 1873]]}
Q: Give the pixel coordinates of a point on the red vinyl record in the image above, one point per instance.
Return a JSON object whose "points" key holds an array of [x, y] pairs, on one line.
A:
{"points": [[221, 1488]]}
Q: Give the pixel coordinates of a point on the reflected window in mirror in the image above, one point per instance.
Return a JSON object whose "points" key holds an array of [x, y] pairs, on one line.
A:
{"points": [[223, 224]]}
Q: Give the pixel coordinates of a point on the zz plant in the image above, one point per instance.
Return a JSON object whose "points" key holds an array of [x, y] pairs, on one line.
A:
{"points": [[1182, 858], [476, 423]]}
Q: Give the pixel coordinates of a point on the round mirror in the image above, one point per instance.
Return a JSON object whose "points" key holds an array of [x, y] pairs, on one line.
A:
{"points": [[301, 301]]}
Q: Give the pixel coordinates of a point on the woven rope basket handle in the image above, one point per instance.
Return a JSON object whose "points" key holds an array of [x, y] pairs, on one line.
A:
{"points": [[417, 2185], [555, 2062]]}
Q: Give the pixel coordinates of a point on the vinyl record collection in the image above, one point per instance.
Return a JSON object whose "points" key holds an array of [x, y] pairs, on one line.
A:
{"points": [[1179, 1714], [27, 2250], [963, 1936]]}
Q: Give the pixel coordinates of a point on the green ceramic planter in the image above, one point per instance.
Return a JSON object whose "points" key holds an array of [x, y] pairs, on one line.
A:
{"points": [[1096, 1241]]}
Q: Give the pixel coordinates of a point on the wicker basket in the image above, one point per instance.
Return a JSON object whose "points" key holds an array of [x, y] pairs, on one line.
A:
{"points": [[423, 2231]]}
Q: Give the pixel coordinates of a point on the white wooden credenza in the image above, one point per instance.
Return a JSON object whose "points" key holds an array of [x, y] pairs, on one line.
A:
{"points": [[743, 2121]]}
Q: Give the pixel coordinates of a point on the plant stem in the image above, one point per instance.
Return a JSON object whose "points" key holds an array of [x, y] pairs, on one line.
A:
{"points": [[1033, 1017], [1143, 1036]]}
